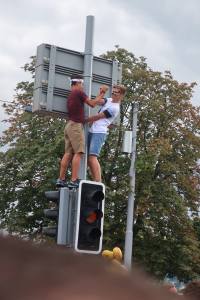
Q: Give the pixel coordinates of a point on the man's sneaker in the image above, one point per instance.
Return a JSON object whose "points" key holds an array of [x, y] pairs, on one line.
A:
{"points": [[73, 184], [60, 183]]}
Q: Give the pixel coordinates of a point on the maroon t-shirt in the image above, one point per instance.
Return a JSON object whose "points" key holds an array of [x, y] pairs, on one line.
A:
{"points": [[75, 106]]}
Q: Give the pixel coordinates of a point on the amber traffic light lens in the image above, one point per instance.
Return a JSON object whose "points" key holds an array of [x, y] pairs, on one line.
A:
{"points": [[93, 216]]}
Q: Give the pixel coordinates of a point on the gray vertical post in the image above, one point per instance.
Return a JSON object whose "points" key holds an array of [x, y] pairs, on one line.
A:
{"points": [[88, 61], [71, 230], [63, 216], [66, 218], [131, 198], [51, 78], [69, 218]]}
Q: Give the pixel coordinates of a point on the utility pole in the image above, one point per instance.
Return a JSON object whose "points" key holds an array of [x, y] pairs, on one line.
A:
{"points": [[88, 61], [131, 197]]}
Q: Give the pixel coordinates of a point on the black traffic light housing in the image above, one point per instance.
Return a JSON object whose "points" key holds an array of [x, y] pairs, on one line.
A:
{"points": [[90, 216], [52, 214]]}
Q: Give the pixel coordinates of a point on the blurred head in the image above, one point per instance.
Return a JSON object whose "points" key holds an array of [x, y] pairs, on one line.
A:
{"points": [[77, 82], [36, 272]]}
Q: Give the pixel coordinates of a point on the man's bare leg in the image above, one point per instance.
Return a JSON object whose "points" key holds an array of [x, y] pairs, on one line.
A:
{"points": [[67, 157], [95, 168], [76, 165]]}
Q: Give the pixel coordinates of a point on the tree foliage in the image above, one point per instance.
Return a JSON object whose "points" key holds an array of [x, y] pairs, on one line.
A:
{"points": [[29, 165], [166, 220]]}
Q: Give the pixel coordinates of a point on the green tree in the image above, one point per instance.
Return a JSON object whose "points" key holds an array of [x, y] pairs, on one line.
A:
{"points": [[166, 240], [29, 165], [167, 173]]}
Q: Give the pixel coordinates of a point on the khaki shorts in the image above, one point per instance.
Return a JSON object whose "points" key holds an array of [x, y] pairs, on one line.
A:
{"points": [[74, 138]]}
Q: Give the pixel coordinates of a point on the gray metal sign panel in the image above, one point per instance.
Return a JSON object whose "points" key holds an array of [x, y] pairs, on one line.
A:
{"points": [[55, 66]]}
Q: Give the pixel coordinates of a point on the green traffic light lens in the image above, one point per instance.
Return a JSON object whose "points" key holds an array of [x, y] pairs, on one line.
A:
{"points": [[95, 234]]}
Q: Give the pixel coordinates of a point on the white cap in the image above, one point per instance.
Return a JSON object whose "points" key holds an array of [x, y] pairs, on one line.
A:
{"points": [[77, 80]]}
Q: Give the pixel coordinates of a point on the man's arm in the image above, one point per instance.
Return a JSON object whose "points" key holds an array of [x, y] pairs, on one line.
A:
{"points": [[102, 115], [97, 101], [95, 118], [99, 98]]}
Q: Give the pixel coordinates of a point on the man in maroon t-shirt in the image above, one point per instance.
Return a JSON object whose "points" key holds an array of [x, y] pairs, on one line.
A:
{"points": [[74, 133]]}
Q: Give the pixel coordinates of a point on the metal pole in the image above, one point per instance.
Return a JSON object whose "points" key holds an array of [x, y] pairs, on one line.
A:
{"points": [[88, 61], [63, 216], [131, 197]]}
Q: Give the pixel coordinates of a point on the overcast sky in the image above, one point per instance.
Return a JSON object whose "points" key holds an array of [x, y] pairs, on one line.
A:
{"points": [[166, 32]]}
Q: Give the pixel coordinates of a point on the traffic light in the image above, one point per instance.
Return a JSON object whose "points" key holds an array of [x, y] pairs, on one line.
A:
{"points": [[52, 214], [90, 216], [62, 216]]}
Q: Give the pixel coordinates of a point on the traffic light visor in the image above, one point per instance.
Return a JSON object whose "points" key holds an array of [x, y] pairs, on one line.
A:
{"points": [[95, 196]]}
